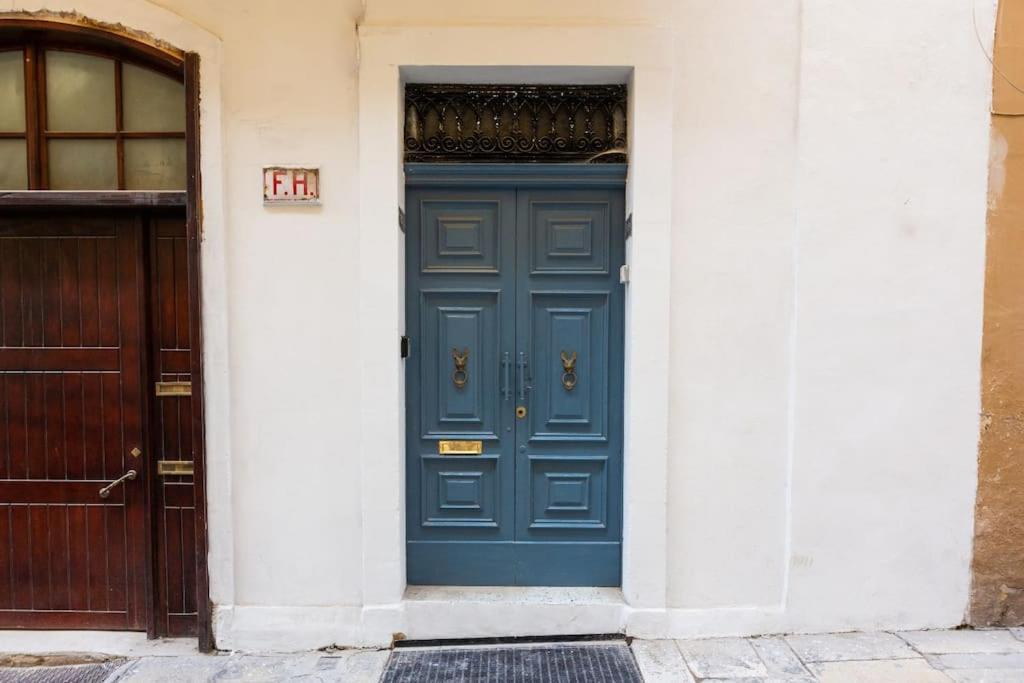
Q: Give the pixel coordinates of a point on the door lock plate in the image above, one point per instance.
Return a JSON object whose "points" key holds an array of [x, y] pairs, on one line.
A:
{"points": [[520, 412]]}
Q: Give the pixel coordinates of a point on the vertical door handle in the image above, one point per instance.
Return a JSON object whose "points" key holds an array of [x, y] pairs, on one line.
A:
{"points": [[569, 370], [506, 373], [522, 375], [460, 375]]}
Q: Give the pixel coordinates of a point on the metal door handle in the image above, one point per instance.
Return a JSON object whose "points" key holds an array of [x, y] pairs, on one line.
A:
{"points": [[506, 367], [522, 376], [460, 375], [569, 368], [105, 491]]}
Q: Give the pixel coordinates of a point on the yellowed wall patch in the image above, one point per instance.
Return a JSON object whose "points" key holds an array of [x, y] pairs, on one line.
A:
{"points": [[997, 592]]}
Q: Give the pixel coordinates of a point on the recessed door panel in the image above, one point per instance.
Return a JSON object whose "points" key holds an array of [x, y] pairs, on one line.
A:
{"points": [[568, 493], [567, 237], [460, 492], [462, 330], [514, 386], [569, 348], [460, 235]]}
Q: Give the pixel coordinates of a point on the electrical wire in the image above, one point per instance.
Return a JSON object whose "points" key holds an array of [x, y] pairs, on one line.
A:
{"points": [[991, 59]]}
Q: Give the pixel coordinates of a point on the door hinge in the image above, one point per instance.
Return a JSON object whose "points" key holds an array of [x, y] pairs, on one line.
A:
{"points": [[404, 346], [624, 274]]}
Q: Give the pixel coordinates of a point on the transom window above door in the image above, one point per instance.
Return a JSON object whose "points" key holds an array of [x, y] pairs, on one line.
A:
{"points": [[78, 119]]}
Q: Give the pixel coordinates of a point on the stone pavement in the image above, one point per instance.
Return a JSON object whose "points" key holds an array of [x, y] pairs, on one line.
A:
{"points": [[350, 666], [963, 656]]}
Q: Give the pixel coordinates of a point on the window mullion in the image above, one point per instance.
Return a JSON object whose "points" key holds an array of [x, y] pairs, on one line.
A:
{"points": [[119, 122], [33, 137], [41, 124]]}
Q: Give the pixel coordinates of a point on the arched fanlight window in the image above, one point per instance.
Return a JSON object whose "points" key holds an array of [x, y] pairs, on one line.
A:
{"points": [[80, 118]]}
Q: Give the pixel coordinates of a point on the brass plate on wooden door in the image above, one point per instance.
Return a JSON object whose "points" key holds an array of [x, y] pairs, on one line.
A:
{"points": [[167, 468], [460, 447], [174, 388]]}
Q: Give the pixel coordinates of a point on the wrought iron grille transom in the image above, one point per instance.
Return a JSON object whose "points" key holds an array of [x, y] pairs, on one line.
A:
{"points": [[539, 123]]}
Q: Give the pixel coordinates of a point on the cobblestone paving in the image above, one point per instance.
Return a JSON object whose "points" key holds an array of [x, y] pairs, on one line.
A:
{"points": [[961, 656]]}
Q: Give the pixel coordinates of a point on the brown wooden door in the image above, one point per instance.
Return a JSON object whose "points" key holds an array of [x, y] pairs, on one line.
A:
{"points": [[71, 411], [171, 426]]}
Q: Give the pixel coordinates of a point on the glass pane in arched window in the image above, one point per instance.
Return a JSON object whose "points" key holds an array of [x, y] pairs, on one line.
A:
{"points": [[154, 164], [152, 102], [12, 92], [13, 165], [13, 148], [80, 94], [82, 164]]}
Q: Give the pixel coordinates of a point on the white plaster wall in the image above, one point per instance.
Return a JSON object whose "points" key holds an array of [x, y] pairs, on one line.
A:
{"points": [[891, 177], [829, 224], [737, 67], [294, 414], [827, 182]]}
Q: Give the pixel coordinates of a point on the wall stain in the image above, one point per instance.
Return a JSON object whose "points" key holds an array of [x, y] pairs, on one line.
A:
{"points": [[73, 18]]}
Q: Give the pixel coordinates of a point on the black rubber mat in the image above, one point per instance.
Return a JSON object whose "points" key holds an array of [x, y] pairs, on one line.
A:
{"points": [[568, 663]]}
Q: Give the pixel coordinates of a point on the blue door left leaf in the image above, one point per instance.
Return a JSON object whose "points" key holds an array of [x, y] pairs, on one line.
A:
{"points": [[513, 306]]}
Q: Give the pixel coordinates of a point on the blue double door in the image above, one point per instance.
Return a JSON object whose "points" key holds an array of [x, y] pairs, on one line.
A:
{"points": [[514, 385]]}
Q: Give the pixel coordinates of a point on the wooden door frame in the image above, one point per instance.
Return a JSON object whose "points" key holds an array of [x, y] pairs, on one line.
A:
{"points": [[190, 199], [193, 228]]}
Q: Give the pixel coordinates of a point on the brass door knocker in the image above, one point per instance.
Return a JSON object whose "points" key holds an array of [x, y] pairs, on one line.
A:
{"points": [[569, 374], [460, 375]]}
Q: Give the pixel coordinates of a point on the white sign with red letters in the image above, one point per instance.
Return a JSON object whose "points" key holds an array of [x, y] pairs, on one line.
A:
{"points": [[291, 185]]}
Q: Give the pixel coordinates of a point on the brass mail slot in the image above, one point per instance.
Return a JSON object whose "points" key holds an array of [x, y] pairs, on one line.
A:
{"points": [[174, 467], [174, 388], [460, 447]]}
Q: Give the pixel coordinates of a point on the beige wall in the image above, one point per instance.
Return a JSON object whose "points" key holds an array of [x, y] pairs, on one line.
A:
{"points": [[997, 595], [828, 182]]}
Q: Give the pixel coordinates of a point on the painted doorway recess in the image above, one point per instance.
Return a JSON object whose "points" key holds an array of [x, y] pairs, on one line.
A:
{"points": [[515, 374]]}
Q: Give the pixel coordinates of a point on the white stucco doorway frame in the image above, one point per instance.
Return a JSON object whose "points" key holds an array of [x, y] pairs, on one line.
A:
{"points": [[389, 57]]}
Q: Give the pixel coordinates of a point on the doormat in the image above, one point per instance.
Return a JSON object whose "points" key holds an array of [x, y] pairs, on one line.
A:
{"points": [[74, 673], [561, 663]]}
